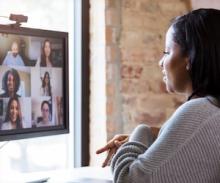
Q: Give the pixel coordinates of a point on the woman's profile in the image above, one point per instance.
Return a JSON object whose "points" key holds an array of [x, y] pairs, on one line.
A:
{"points": [[46, 86], [45, 59], [10, 83], [187, 148], [13, 118]]}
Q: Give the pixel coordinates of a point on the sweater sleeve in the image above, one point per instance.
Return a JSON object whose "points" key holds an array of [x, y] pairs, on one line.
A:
{"points": [[140, 139], [136, 161]]}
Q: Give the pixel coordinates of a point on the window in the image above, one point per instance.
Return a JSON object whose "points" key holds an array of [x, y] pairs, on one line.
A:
{"points": [[52, 152]]}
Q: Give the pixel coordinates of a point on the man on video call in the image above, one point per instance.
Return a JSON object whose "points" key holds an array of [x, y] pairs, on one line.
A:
{"points": [[13, 57]]}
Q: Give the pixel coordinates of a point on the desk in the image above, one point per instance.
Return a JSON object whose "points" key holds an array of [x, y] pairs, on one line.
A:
{"points": [[90, 174]]}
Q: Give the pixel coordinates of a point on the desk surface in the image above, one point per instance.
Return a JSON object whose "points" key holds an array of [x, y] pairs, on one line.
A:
{"points": [[82, 175]]}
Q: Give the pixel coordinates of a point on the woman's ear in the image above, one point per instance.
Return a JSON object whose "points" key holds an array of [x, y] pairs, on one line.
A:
{"points": [[188, 65]]}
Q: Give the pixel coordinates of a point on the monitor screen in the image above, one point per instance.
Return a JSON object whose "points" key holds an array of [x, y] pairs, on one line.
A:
{"points": [[33, 82]]}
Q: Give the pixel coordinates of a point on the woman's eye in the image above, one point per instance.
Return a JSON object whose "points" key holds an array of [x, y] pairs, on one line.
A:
{"points": [[166, 53]]}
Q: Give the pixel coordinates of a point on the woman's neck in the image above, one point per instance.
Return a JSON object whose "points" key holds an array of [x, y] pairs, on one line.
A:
{"points": [[13, 124], [48, 62], [45, 120], [11, 94]]}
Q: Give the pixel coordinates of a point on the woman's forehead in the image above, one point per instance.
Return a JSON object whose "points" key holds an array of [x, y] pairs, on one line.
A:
{"points": [[10, 75], [169, 34]]}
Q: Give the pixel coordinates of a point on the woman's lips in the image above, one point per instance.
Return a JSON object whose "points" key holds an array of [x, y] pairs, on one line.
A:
{"points": [[164, 75]]}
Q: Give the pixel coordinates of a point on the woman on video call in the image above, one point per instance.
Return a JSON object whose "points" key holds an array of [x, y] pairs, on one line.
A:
{"points": [[187, 149], [46, 87], [13, 118], [46, 57], [46, 115], [10, 83]]}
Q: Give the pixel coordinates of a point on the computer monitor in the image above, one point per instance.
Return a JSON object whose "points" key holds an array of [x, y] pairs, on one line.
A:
{"points": [[33, 82]]}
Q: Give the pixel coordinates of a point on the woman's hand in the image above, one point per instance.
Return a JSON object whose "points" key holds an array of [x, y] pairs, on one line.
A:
{"points": [[112, 146]]}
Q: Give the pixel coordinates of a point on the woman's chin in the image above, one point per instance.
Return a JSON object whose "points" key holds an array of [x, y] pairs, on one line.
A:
{"points": [[169, 88]]}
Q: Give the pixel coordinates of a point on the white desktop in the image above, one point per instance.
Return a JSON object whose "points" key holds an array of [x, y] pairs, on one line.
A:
{"points": [[76, 175]]}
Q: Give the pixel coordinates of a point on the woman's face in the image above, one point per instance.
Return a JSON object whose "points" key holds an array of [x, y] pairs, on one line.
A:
{"points": [[46, 79], [174, 67], [45, 112], [11, 83], [14, 108], [47, 49]]}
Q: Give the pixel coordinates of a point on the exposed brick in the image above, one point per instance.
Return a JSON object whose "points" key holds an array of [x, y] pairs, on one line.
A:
{"points": [[109, 35], [110, 72], [111, 3], [132, 20], [131, 71], [111, 127], [110, 89], [151, 119], [112, 17], [129, 4], [109, 108], [130, 100], [149, 6], [111, 53], [135, 44]]}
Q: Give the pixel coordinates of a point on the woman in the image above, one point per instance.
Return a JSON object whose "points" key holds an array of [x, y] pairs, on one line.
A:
{"points": [[46, 56], [187, 148], [45, 119], [10, 83], [13, 118], [46, 87]]}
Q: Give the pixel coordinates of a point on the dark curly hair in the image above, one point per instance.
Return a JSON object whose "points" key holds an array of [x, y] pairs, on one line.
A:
{"points": [[16, 76]]}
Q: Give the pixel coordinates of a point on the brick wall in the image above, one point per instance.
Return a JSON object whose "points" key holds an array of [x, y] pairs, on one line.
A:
{"points": [[135, 32], [113, 67]]}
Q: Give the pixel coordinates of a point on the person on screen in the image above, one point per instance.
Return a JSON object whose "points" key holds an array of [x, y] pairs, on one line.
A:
{"points": [[10, 83], [46, 57], [46, 87], [13, 57], [13, 118], [46, 115]]}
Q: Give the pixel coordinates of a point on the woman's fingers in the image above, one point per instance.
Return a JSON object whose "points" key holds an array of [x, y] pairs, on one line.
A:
{"points": [[109, 157], [119, 143], [101, 150], [108, 146]]}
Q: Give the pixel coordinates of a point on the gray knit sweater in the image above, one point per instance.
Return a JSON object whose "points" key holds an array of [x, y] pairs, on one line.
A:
{"points": [[187, 149]]}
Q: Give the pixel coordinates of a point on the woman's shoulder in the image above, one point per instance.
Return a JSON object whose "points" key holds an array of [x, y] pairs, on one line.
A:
{"points": [[198, 104], [190, 115], [6, 126], [193, 111], [42, 124]]}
